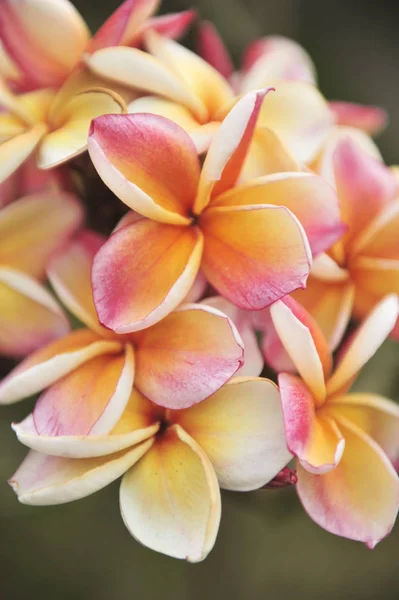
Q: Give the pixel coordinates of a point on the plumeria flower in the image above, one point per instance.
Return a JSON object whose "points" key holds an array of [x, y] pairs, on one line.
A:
{"points": [[31, 230], [276, 58], [344, 443], [178, 362], [189, 91], [52, 125], [251, 250], [363, 267], [173, 462], [44, 41]]}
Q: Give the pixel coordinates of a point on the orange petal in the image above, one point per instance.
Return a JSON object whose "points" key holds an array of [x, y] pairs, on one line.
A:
{"points": [[241, 430], [33, 228], [70, 275], [254, 255], [307, 196], [380, 240], [143, 272], [148, 162], [365, 342], [70, 127], [29, 316], [170, 500], [229, 148], [43, 480], [187, 357], [359, 499], [330, 304], [51, 363], [89, 400]]}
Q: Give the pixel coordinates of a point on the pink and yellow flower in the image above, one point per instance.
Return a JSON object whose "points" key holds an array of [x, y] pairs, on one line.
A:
{"points": [[192, 93], [31, 230], [344, 443], [173, 462], [251, 249], [178, 362], [43, 42], [51, 125], [363, 266]]}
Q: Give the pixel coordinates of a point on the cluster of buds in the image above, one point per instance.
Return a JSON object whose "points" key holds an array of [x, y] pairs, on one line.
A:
{"points": [[257, 224]]}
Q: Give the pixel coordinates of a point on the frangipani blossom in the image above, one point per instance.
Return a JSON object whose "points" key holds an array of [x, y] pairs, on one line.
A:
{"points": [[31, 230], [276, 58], [344, 443], [190, 92], [363, 267], [178, 362], [173, 462], [53, 126], [43, 41], [251, 249]]}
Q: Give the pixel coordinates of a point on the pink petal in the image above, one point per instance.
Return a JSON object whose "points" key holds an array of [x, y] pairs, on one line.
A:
{"points": [[187, 357], [370, 119], [212, 49]]}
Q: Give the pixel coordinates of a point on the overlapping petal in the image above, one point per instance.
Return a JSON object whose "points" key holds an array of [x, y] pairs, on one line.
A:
{"points": [[358, 499], [315, 439], [364, 343], [254, 255], [148, 162], [43, 480], [44, 39], [170, 500], [187, 357], [241, 430], [154, 264], [49, 364], [90, 399], [70, 128], [212, 49], [307, 196], [370, 119]]}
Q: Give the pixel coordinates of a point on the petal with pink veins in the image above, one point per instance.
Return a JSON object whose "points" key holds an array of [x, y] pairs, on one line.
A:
{"points": [[359, 499], [315, 439], [143, 272], [187, 357], [149, 162], [170, 500]]}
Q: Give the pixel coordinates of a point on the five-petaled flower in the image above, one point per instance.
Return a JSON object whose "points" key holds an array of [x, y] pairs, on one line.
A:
{"points": [[344, 443], [251, 249]]}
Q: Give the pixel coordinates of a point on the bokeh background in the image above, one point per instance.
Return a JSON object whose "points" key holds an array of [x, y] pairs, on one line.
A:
{"points": [[267, 546]]}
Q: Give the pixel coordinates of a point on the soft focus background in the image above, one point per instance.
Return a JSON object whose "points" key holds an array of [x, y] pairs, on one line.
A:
{"points": [[267, 546]]}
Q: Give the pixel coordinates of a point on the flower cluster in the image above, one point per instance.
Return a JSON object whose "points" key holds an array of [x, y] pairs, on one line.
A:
{"points": [[257, 223]]}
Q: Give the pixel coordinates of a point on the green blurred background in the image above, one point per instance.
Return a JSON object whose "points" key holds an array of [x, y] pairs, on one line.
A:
{"points": [[267, 546]]}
